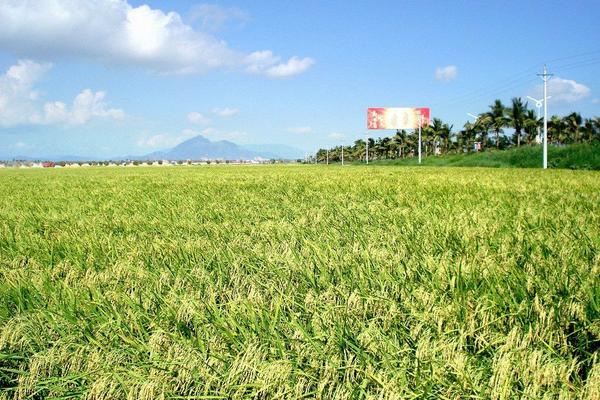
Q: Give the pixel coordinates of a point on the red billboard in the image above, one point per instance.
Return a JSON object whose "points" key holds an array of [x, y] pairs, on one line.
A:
{"points": [[397, 118]]}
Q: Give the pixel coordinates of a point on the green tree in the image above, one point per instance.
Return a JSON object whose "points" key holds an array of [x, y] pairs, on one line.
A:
{"points": [[516, 116], [556, 130], [466, 137], [358, 150], [572, 125], [588, 129], [498, 119], [531, 126], [483, 125]]}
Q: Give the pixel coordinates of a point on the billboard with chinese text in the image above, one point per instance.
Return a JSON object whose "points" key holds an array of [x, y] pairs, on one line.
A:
{"points": [[397, 118]]}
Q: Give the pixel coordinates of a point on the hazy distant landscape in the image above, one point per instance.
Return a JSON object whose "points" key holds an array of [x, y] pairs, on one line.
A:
{"points": [[196, 148]]}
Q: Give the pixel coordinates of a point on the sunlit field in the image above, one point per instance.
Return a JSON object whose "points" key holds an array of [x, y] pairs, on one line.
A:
{"points": [[299, 282]]}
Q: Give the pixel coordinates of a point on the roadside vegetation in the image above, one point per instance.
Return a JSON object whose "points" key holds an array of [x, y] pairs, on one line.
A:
{"points": [[299, 282], [576, 156], [500, 128]]}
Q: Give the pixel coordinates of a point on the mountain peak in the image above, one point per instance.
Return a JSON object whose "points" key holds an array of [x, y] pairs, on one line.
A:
{"points": [[199, 147]]}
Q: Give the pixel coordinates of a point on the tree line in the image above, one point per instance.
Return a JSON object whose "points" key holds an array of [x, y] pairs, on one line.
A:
{"points": [[486, 132]]}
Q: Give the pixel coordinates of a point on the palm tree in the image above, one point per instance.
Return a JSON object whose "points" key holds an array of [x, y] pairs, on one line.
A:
{"points": [[573, 126], [483, 125], [556, 129], [399, 143], [531, 125], [466, 137], [435, 132], [589, 128], [427, 139], [497, 119], [446, 136], [358, 150], [516, 115], [597, 130]]}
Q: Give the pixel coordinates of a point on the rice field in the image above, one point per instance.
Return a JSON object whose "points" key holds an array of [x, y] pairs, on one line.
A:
{"points": [[292, 282]]}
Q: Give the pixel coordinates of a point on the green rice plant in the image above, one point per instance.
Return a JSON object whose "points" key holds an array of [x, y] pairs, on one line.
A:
{"points": [[319, 282]]}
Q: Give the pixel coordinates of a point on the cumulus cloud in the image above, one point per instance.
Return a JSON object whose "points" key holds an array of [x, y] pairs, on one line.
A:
{"points": [[294, 66], [267, 63], [161, 140], [300, 129], [19, 101], [165, 140], [447, 73], [86, 106], [563, 91], [225, 112], [216, 134], [168, 140], [197, 118], [336, 135], [116, 33], [17, 95]]}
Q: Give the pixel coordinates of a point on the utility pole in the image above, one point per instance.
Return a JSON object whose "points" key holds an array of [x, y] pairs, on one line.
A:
{"points": [[420, 123], [367, 150], [342, 155], [545, 77]]}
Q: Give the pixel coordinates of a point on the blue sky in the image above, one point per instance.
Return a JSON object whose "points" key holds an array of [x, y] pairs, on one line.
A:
{"points": [[112, 77]]}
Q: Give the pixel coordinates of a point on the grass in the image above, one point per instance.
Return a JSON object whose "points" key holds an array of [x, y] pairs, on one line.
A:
{"points": [[299, 282], [580, 156]]}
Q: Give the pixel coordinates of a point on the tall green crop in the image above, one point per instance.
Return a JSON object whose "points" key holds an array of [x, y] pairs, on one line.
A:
{"points": [[299, 282]]}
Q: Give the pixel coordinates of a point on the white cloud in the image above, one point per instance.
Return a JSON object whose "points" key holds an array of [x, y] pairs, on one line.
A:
{"points": [[447, 73], [166, 140], [116, 33], [213, 17], [19, 100], [20, 145], [300, 129], [265, 62], [86, 105], [336, 135], [562, 91], [294, 66], [225, 112], [197, 118], [215, 134], [595, 101], [17, 95], [159, 140]]}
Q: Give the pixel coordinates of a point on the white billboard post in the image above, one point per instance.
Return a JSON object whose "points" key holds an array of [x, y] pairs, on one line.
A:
{"points": [[398, 118], [545, 76], [420, 145]]}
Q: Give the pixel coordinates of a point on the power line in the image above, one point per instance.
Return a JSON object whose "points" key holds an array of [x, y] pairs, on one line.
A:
{"points": [[579, 64], [520, 78]]}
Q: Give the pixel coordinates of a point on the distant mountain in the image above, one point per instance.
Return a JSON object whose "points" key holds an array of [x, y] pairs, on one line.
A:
{"points": [[199, 147], [196, 148]]}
